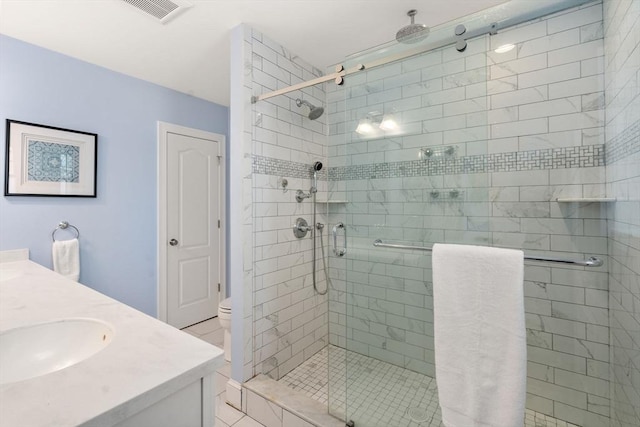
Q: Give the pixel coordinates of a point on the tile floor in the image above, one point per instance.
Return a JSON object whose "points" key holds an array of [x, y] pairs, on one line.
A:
{"points": [[384, 394], [209, 331]]}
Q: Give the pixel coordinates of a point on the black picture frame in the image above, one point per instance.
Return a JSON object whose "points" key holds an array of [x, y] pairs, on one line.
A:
{"points": [[49, 161]]}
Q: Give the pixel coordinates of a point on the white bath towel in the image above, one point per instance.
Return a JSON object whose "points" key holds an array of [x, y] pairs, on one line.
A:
{"points": [[66, 258], [480, 338]]}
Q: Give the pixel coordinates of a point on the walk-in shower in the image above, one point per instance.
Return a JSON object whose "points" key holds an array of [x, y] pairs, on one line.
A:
{"points": [[491, 147]]}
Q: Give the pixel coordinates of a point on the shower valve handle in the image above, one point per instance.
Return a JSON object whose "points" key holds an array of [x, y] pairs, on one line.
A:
{"points": [[301, 228], [301, 195]]}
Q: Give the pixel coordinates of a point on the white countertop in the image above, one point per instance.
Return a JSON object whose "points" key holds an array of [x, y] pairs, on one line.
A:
{"points": [[146, 361]]}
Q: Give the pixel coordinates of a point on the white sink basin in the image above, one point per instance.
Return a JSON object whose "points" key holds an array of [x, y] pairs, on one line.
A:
{"points": [[35, 350]]}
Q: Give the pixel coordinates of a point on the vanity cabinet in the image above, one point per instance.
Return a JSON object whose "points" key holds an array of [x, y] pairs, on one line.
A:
{"points": [[150, 374]]}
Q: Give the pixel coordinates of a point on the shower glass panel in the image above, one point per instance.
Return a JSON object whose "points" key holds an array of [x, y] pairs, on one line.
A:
{"points": [[407, 157]]}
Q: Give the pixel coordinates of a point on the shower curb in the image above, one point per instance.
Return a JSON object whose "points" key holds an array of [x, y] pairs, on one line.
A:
{"points": [[292, 401]]}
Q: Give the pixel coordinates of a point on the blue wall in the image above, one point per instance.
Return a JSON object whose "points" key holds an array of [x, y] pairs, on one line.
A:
{"points": [[118, 228]]}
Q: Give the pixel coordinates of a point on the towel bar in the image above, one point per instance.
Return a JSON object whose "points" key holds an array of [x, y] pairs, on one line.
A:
{"points": [[63, 225], [591, 262]]}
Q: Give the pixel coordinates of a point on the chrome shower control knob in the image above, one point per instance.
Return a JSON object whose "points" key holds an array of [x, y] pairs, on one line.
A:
{"points": [[173, 242], [301, 228]]}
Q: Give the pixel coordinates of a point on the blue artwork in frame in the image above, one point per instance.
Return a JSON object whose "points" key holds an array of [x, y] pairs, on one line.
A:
{"points": [[49, 161], [53, 162]]}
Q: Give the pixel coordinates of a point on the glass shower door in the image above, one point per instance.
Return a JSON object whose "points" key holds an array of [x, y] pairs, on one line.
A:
{"points": [[409, 161]]}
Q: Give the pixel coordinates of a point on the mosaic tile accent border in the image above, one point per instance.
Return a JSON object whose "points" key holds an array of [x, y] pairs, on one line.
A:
{"points": [[270, 166], [624, 144], [553, 158]]}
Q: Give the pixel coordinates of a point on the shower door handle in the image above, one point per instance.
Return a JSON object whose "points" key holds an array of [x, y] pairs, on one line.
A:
{"points": [[336, 251]]}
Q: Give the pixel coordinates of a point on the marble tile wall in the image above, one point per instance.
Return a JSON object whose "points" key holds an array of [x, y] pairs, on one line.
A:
{"points": [[241, 205], [289, 317], [527, 128], [622, 86]]}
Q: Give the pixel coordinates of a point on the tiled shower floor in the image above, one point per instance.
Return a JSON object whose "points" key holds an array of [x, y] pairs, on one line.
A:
{"points": [[381, 394]]}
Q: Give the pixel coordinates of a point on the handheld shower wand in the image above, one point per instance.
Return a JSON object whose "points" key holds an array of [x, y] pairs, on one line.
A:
{"points": [[318, 226], [316, 167]]}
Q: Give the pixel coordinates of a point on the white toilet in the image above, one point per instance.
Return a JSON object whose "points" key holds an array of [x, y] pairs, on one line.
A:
{"points": [[224, 316]]}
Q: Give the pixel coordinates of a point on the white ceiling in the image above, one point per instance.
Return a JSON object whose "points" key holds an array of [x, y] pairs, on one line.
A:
{"points": [[191, 53]]}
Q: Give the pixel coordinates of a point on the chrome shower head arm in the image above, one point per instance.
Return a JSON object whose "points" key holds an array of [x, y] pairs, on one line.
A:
{"points": [[301, 102], [314, 112]]}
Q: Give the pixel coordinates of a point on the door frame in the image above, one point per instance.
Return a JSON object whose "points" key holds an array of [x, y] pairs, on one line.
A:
{"points": [[163, 130]]}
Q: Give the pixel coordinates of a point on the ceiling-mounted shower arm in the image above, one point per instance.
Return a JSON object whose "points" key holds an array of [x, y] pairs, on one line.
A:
{"points": [[412, 33]]}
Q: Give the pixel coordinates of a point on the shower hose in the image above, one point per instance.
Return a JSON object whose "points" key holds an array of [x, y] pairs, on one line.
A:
{"points": [[318, 228]]}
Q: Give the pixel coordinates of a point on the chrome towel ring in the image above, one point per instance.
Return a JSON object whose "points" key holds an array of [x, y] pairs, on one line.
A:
{"points": [[61, 226]]}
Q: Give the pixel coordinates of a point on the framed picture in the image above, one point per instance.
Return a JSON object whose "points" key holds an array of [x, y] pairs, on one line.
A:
{"points": [[49, 161]]}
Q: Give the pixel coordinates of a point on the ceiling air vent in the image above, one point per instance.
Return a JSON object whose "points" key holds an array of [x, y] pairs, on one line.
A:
{"points": [[161, 10]]}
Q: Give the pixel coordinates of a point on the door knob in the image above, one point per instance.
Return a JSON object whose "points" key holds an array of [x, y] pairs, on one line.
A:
{"points": [[173, 242]]}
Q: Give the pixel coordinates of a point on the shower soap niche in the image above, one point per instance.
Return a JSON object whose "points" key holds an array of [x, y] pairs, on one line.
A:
{"points": [[333, 201]]}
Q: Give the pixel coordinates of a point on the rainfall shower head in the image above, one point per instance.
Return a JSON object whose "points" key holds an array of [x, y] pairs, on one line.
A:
{"points": [[314, 112], [413, 32]]}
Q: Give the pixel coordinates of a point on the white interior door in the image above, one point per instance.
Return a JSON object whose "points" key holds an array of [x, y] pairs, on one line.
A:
{"points": [[192, 241]]}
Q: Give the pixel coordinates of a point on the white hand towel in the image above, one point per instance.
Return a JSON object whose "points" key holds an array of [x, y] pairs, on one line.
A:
{"points": [[480, 337], [66, 258]]}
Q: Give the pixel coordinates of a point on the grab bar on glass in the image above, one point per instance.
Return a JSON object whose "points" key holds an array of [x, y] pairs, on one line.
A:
{"points": [[590, 262], [336, 251]]}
